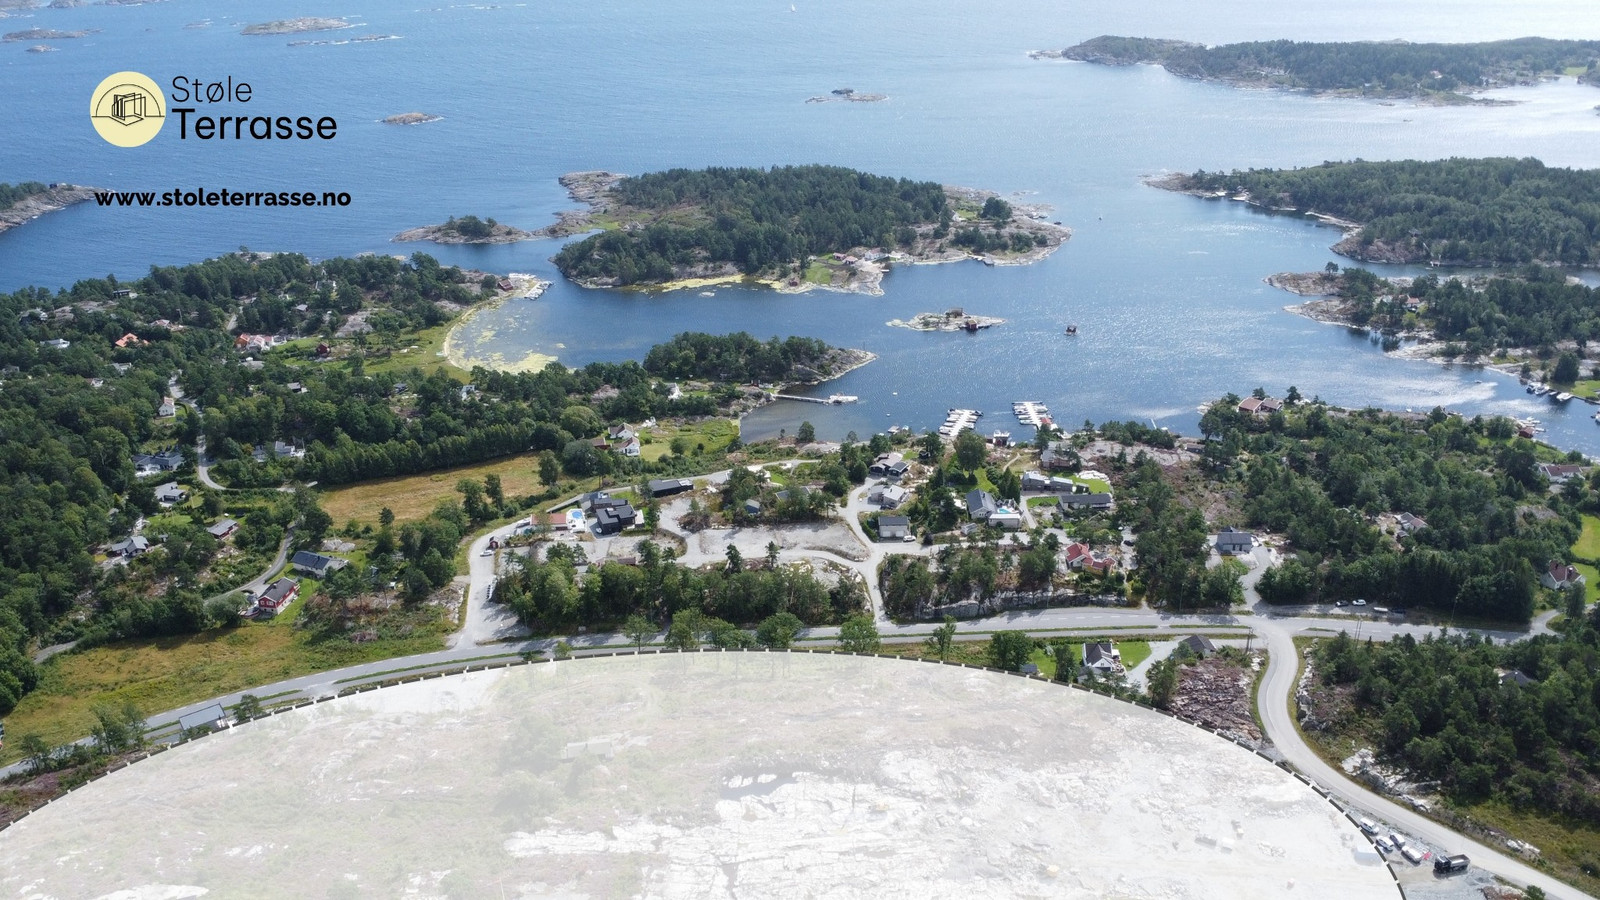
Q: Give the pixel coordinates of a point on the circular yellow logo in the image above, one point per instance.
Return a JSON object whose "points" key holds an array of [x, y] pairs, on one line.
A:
{"points": [[127, 109]]}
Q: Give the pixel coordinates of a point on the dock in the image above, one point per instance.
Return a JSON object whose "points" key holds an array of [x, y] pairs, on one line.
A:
{"points": [[831, 399], [1031, 412], [959, 420]]}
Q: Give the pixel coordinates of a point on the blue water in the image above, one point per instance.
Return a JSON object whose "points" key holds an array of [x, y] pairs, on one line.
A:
{"points": [[1166, 290]]}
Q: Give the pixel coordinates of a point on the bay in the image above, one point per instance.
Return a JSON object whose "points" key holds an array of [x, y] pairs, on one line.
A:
{"points": [[1166, 290]]}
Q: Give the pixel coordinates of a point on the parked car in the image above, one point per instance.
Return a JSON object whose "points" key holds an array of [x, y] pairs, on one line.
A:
{"points": [[1383, 844], [1412, 854], [1358, 602], [1338, 603], [1397, 840], [1369, 826]]}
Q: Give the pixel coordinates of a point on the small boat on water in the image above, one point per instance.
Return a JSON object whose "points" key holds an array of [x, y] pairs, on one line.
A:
{"points": [[1072, 329], [1561, 397]]}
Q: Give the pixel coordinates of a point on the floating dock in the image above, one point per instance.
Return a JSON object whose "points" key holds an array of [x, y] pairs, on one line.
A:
{"points": [[1031, 412], [959, 420], [833, 399]]}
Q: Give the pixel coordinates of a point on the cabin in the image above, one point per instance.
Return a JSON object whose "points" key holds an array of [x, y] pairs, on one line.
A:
{"points": [[223, 528], [1232, 542]]}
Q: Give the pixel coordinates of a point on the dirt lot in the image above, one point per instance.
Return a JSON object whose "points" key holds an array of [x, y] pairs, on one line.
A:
{"points": [[1216, 692]]}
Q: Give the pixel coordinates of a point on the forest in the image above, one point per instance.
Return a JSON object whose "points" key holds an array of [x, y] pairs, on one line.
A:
{"points": [[1449, 710], [1532, 307], [1332, 483], [756, 220], [12, 194], [1479, 212], [548, 598], [1380, 68]]}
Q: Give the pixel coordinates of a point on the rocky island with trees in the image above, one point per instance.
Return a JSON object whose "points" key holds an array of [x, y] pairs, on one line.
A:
{"points": [[28, 200], [1432, 72], [465, 230], [792, 227]]}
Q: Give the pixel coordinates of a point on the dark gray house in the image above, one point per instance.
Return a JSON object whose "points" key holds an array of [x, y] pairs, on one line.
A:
{"points": [[317, 564], [1075, 502], [980, 505], [614, 517], [1231, 541], [666, 487]]}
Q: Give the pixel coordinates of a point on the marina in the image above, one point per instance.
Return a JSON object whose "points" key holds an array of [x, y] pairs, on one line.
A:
{"points": [[959, 420], [1031, 412]]}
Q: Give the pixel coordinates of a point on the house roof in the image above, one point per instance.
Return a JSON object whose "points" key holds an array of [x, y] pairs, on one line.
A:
{"points": [[1100, 654], [980, 501], [308, 560], [277, 592], [1561, 573], [1560, 470], [222, 527], [1231, 535], [893, 522], [1199, 643], [202, 718], [670, 485], [1085, 500], [1249, 404]]}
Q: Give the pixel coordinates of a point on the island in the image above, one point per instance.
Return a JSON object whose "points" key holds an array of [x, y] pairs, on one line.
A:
{"points": [[847, 95], [793, 228], [296, 26], [1435, 73], [949, 320], [466, 230], [20, 203], [1466, 212], [411, 118], [46, 34]]}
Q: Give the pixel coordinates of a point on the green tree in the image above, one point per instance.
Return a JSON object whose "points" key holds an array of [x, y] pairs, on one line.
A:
{"points": [[970, 450], [549, 468], [806, 435], [1162, 682], [684, 632], [493, 489], [37, 755], [1220, 586], [1566, 371], [996, 209], [385, 517], [248, 707], [778, 631], [735, 559], [638, 629], [859, 634], [942, 639], [1008, 650]]}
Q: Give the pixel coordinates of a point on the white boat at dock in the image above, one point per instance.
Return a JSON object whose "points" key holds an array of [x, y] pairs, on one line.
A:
{"points": [[1561, 397], [959, 420], [1031, 412]]}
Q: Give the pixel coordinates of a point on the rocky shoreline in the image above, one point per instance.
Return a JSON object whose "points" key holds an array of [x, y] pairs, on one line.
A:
{"points": [[56, 198], [46, 34], [411, 118], [295, 26], [445, 233], [950, 321]]}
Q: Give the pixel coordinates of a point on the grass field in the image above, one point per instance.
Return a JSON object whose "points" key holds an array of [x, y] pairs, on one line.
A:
{"points": [[162, 674], [412, 497], [1588, 545], [715, 434], [428, 355]]}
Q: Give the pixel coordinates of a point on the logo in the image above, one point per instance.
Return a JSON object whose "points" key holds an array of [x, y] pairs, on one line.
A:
{"points": [[127, 109]]}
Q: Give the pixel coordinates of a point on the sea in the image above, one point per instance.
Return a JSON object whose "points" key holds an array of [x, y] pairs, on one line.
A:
{"points": [[1166, 290]]}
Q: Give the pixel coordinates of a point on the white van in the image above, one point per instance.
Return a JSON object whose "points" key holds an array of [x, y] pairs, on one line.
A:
{"points": [[1369, 826]]}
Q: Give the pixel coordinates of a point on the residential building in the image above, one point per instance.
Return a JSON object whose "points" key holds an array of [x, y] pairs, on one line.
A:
{"points": [[752, 507], [1076, 555], [980, 505], [1102, 659], [619, 433], [1007, 518], [1251, 405], [1410, 524], [133, 546], [587, 501], [223, 528], [893, 528], [897, 470], [1232, 542], [1560, 473], [666, 487], [1077, 502], [316, 563], [1558, 575], [147, 464], [1199, 645], [167, 409], [1099, 564], [278, 595], [171, 493], [1035, 481], [612, 518], [629, 448], [880, 466], [892, 496], [128, 340], [56, 343]]}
